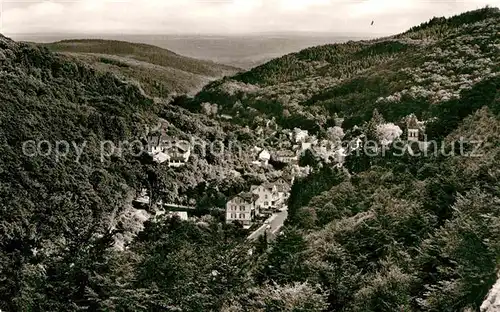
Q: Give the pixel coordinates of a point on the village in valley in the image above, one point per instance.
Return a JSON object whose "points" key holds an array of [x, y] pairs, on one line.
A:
{"points": [[250, 155], [259, 206]]}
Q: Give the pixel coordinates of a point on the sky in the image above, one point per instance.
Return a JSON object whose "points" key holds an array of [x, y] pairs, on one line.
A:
{"points": [[224, 16]]}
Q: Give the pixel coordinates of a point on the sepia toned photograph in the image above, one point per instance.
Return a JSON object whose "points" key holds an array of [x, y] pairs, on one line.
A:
{"points": [[250, 155]]}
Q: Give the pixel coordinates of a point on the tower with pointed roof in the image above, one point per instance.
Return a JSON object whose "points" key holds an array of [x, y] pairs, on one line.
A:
{"points": [[413, 128]]}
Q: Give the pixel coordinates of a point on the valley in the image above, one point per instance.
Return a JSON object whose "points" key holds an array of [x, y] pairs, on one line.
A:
{"points": [[335, 178]]}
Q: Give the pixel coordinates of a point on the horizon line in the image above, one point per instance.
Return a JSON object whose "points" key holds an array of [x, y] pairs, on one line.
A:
{"points": [[229, 34]]}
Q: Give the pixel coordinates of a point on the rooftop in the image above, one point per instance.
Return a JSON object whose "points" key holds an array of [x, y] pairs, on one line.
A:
{"points": [[247, 196], [285, 153], [412, 122]]}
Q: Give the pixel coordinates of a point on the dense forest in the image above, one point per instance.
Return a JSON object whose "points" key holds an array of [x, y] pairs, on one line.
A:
{"points": [[63, 205], [398, 75], [381, 233]]}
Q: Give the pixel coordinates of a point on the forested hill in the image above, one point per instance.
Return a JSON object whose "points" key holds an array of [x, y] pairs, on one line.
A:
{"points": [[53, 204], [398, 75], [59, 197], [161, 72]]}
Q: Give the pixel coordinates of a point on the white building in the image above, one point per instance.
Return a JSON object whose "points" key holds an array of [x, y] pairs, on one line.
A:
{"points": [[160, 157], [300, 135], [175, 153], [305, 146], [340, 156], [183, 215], [143, 198], [227, 117], [264, 157], [241, 208], [267, 196]]}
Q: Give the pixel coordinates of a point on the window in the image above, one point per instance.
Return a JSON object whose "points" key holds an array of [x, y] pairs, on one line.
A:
{"points": [[266, 196], [233, 216], [242, 208], [242, 216], [266, 203]]}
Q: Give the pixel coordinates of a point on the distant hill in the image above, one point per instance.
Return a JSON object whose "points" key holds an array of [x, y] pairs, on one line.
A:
{"points": [[243, 51], [398, 75], [159, 71]]}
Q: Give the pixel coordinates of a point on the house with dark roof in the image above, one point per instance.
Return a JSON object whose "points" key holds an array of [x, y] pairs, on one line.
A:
{"points": [[282, 185], [164, 149], [178, 154], [286, 156]]}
